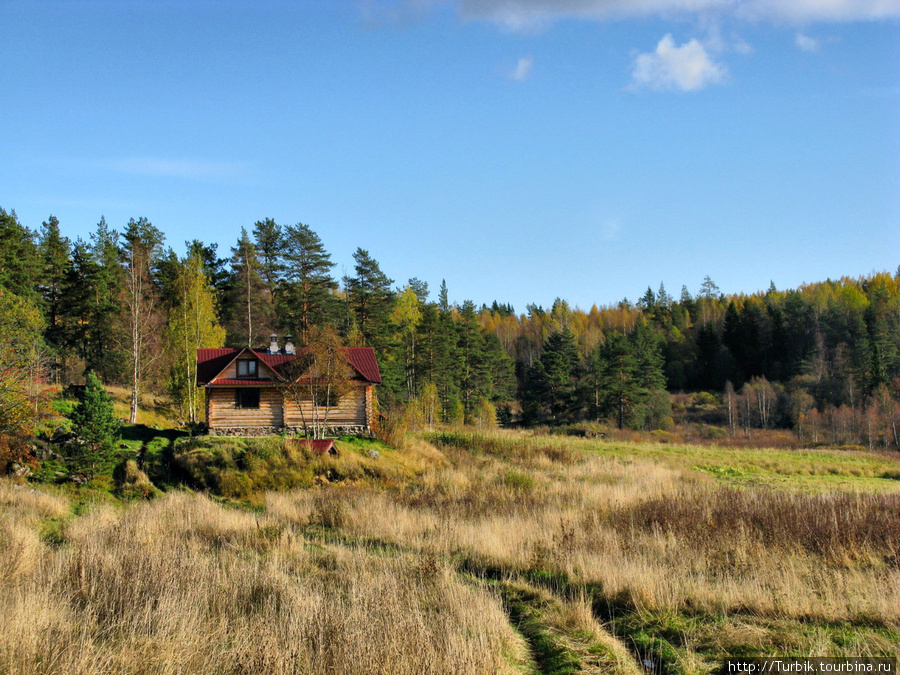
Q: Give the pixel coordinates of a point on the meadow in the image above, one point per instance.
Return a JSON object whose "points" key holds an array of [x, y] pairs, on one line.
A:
{"points": [[460, 551]]}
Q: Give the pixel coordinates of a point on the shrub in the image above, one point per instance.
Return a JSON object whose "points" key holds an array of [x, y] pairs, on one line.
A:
{"points": [[705, 398], [485, 415], [713, 432], [391, 428], [518, 481], [131, 482]]}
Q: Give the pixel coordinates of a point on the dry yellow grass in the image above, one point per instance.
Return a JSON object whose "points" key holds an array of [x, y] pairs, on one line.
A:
{"points": [[575, 521], [183, 585], [359, 578]]}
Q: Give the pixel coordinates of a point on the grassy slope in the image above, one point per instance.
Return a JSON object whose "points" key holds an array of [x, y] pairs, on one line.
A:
{"points": [[562, 534], [692, 633], [805, 469]]}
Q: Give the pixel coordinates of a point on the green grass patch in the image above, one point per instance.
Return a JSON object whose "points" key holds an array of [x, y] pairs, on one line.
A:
{"points": [[683, 642], [808, 469], [527, 610], [238, 468]]}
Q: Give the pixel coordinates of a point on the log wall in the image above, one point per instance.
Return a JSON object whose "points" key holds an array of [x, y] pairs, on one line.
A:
{"points": [[351, 410], [221, 411]]}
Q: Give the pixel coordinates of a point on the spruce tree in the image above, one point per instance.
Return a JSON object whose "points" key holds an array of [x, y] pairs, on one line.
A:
{"points": [[105, 279], [20, 263], [621, 391], [54, 251], [371, 299], [554, 378], [94, 424]]}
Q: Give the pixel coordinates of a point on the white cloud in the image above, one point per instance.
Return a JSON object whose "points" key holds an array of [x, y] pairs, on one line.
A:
{"points": [[716, 42], [688, 67], [806, 43], [522, 71], [804, 11], [523, 15]]}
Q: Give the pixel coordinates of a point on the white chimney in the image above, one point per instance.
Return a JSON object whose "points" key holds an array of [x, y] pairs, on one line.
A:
{"points": [[288, 344], [273, 345]]}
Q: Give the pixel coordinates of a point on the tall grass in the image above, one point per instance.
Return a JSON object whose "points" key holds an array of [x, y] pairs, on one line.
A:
{"points": [[489, 553], [653, 538], [184, 585]]}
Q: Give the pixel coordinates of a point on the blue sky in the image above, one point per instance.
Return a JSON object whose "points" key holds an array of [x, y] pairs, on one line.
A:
{"points": [[522, 150]]}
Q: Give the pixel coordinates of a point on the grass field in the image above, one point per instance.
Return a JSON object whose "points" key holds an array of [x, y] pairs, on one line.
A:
{"points": [[461, 552]]}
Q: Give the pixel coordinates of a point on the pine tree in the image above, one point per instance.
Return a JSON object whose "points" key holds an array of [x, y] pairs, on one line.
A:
{"points": [[307, 299], [248, 313], [269, 241], [708, 294]]}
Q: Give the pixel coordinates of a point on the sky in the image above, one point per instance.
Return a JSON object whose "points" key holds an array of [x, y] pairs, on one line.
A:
{"points": [[521, 150]]}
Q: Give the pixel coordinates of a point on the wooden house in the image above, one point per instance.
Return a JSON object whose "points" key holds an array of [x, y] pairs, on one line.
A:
{"points": [[254, 392]]}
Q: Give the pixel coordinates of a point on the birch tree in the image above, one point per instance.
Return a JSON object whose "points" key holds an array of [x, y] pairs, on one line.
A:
{"points": [[141, 248], [23, 401], [192, 325], [407, 316], [318, 379]]}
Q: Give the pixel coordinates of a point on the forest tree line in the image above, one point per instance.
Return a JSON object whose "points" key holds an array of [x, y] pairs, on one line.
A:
{"points": [[823, 359]]}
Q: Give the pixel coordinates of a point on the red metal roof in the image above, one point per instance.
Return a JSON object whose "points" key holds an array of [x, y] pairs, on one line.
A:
{"points": [[321, 447], [363, 359], [211, 362]]}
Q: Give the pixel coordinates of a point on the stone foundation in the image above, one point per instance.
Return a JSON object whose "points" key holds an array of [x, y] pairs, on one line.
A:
{"points": [[330, 431]]}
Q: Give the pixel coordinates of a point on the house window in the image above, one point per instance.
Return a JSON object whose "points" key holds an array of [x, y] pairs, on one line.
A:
{"points": [[246, 398], [246, 368]]}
